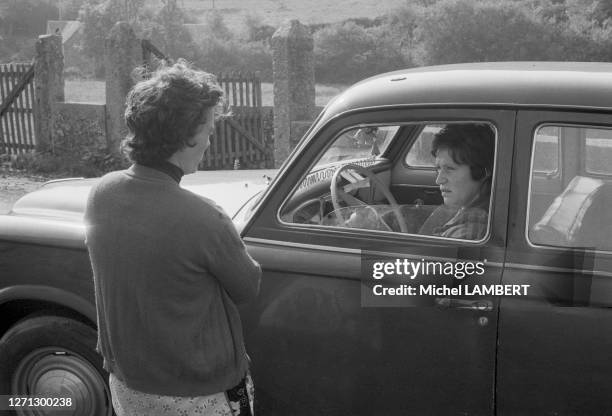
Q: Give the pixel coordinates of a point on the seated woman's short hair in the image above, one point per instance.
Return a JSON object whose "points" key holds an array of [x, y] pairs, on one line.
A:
{"points": [[468, 144], [164, 111]]}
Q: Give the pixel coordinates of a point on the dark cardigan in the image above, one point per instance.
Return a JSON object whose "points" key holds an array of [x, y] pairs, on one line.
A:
{"points": [[169, 268]]}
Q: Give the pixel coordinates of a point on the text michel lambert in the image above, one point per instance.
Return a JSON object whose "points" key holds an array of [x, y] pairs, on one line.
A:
{"points": [[404, 268]]}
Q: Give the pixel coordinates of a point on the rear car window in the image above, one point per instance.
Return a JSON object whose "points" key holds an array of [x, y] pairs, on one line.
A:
{"points": [[598, 145], [573, 211], [419, 155]]}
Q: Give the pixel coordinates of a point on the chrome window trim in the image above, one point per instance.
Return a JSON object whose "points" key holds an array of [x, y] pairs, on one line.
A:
{"points": [[344, 250]]}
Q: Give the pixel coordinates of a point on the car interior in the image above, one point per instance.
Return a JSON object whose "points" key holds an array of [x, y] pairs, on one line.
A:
{"points": [[371, 177]]}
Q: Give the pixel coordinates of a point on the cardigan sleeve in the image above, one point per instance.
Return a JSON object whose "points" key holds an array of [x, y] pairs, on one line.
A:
{"points": [[229, 261]]}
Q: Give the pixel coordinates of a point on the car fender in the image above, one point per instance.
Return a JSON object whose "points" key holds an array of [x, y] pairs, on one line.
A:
{"points": [[49, 294]]}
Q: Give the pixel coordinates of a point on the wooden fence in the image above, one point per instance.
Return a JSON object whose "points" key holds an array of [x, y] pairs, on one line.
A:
{"points": [[241, 89], [17, 108], [242, 139]]}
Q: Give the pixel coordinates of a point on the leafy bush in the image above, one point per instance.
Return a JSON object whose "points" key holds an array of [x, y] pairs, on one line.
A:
{"points": [[88, 164], [348, 52], [26, 17], [466, 31], [453, 31], [225, 55], [73, 72], [256, 30]]}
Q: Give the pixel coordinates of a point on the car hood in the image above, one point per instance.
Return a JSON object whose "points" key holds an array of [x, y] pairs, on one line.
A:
{"points": [[65, 199]]}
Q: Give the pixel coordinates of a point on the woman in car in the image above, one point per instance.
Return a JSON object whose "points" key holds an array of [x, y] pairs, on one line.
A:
{"points": [[169, 266], [464, 160]]}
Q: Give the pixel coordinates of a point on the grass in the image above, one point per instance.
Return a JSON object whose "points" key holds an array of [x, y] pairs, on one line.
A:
{"points": [[92, 91], [85, 91]]}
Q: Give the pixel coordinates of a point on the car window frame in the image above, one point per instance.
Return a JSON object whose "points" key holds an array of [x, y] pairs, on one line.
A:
{"points": [[264, 227], [400, 158], [557, 173], [552, 114]]}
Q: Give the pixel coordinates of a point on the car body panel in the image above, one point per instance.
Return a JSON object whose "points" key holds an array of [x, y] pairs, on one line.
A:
{"points": [[53, 214], [313, 315], [554, 344]]}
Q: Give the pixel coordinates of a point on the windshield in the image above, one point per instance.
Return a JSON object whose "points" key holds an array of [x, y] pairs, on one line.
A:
{"points": [[358, 143]]}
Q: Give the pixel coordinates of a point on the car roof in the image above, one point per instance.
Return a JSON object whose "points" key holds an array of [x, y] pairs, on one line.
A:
{"points": [[532, 84]]}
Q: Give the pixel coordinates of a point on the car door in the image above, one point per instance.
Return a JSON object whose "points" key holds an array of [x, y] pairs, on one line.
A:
{"points": [[316, 348], [554, 344]]}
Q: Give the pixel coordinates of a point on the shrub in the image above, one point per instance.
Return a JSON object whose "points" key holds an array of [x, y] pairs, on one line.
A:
{"points": [[468, 31], [72, 72], [256, 30], [225, 55], [27, 17], [453, 31], [347, 52], [89, 164]]}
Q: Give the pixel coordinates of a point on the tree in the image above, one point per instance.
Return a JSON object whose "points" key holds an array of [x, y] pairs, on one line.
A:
{"points": [[347, 52], [26, 17], [98, 20], [455, 31], [99, 17]]}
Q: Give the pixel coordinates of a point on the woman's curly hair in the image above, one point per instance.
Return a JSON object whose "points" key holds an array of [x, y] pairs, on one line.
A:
{"points": [[470, 144], [164, 111]]}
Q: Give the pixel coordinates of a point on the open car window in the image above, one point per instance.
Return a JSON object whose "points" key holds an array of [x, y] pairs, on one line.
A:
{"points": [[352, 183]]}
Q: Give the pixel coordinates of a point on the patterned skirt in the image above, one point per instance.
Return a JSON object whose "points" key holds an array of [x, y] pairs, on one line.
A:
{"points": [[237, 401]]}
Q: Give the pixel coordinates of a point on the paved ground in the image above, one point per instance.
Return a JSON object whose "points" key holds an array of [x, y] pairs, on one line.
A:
{"points": [[14, 184]]}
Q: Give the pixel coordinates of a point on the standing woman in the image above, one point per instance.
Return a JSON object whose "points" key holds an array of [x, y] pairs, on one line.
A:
{"points": [[169, 266]]}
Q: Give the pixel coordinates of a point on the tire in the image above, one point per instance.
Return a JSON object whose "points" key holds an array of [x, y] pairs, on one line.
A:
{"points": [[53, 355]]}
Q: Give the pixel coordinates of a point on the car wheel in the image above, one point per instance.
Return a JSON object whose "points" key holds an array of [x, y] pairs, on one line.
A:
{"points": [[55, 356]]}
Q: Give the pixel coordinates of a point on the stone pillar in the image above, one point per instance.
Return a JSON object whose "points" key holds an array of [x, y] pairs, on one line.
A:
{"points": [[294, 85], [122, 53], [49, 88]]}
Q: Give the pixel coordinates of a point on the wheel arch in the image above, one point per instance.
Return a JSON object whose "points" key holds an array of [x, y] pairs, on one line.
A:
{"points": [[17, 302]]}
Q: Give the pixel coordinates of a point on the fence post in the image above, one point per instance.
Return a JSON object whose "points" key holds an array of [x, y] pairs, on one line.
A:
{"points": [[122, 53], [49, 87], [294, 86]]}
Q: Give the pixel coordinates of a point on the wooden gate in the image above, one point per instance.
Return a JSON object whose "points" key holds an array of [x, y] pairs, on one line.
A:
{"points": [[16, 108], [242, 140]]}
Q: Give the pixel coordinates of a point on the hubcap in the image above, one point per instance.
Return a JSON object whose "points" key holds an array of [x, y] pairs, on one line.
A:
{"points": [[56, 372]]}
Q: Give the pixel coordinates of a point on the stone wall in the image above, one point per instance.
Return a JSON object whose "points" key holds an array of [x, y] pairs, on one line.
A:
{"points": [[95, 131], [78, 136], [294, 86]]}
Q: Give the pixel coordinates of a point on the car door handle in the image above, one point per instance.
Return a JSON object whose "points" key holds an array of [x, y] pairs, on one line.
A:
{"points": [[482, 305]]}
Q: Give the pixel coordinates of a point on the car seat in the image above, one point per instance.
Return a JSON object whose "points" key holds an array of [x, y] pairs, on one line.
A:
{"points": [[578, 217]]}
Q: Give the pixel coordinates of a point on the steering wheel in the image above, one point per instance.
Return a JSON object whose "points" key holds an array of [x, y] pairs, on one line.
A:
{"points": [[338, 193]]}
